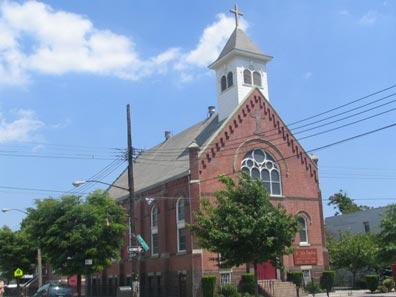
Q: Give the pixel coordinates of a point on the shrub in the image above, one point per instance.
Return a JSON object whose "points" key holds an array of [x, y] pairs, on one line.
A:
{"points": [[208, 285], [296, 278], [327, 281], [361, 284], [372, 282], [229, 290], [248, 283], [382, 289], [388, 283], [312, 288]]}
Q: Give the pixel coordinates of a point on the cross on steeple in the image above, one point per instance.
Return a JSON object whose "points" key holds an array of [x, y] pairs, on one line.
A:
{"points": [[237, 12]]}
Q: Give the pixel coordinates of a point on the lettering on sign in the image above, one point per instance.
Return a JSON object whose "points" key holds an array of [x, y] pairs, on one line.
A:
{"points": [[305, 257]]}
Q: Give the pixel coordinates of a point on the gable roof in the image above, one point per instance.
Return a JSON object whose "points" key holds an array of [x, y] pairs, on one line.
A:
{"points": [[168, 160]]}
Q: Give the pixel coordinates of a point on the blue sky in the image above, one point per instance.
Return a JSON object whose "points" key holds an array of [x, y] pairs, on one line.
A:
{"points": [[68, 68]]}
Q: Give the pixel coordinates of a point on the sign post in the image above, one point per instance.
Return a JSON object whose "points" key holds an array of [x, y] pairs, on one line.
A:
{"points": [[18, 273]]}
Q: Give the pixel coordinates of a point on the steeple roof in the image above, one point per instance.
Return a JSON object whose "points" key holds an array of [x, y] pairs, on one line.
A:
{"points": [[240, 42]]}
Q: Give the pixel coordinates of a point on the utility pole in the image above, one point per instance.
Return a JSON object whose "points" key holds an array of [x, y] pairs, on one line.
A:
{"points": [[132, 237]]}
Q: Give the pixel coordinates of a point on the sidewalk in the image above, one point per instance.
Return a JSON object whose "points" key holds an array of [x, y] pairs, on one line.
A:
{"points": [[355, 293]]}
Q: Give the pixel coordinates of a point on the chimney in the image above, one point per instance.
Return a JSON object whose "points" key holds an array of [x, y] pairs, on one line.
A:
{"points": [[167, 135], [211, 110]]}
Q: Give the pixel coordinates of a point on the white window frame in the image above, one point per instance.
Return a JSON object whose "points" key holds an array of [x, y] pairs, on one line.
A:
{"points": [[270, 159], [306, 223], [228, 274], [180, 223], [154, 229]]}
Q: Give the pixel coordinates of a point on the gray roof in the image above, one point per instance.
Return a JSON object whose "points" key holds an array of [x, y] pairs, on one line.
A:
{"points": [[239, 40], [354, 222], [167, 160]]}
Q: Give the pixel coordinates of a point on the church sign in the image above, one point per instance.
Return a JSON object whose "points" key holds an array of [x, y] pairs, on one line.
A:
{"points": [[305, 257]]}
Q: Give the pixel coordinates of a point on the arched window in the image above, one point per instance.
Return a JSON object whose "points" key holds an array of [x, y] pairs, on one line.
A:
{"points": [[247, 77], [257, 78], [181, 225], [261, 165], [223, 83], [303, 229], [230, 81], [154, 231]]}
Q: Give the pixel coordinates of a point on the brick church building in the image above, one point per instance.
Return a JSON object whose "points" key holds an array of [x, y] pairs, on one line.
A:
{"points": [[244, 134]]}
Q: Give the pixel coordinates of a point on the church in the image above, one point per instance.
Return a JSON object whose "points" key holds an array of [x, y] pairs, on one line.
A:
{"points": [[244, 133]]}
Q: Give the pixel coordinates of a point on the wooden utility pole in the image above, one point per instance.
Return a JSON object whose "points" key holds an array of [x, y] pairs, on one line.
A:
{"points": [[132, 226]]}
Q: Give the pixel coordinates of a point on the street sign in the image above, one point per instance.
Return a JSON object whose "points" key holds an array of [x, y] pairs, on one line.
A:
{"points": [[142, 243], [18, 273], [135, 249]]}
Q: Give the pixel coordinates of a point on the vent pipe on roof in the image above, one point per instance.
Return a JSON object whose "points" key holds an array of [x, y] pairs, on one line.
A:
{"points": [[314, 158], [211, 110], [167, 134]]}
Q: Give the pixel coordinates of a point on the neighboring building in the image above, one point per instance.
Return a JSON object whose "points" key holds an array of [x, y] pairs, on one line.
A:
{"points": [[358, 222], [246, 134]]}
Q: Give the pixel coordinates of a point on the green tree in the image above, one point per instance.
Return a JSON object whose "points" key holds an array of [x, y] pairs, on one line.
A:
{"points": [[242, 224], [388, 235], [327, 281], [344, 204], [71, 231], [296, 277], [16, 251], [353, 252]]}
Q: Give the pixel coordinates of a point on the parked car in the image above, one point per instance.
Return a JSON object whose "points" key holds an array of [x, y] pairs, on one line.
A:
{"points": [[54, 290]]}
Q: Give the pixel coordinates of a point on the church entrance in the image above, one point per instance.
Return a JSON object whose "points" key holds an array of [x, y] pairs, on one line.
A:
{"points": [[266, 271]]}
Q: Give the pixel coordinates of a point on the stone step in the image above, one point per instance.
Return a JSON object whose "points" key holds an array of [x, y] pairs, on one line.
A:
{"points": [[277, 288]]}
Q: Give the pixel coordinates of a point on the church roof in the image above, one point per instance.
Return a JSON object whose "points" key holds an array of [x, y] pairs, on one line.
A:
{"points": [[241, 42], [167, 160]]}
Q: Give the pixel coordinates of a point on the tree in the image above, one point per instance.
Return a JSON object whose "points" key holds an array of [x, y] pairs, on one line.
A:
{"points": [[353, 252], [296, 277], [242, 224], [327, 281], [344, 204], [71, 231], [16, 251], [388, 235]]}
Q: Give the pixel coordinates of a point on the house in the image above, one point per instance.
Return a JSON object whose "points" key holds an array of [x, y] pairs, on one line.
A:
{"points": [[245, 134], [364, 221]]}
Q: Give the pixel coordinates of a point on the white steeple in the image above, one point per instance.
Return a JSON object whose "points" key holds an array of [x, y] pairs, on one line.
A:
{"points": [[240, 67]]}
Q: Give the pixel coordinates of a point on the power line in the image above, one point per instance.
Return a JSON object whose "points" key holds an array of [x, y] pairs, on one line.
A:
{"points": [[32, 189], [341, 106], [327, 145], [336, 108], [100, 175], [92, 157]]}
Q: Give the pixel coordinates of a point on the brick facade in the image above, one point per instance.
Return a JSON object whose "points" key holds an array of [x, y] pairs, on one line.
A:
{"points": [[254, 124]]}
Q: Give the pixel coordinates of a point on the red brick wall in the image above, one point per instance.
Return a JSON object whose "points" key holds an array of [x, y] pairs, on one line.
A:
{"points": [[300, 191], [300, 188]]}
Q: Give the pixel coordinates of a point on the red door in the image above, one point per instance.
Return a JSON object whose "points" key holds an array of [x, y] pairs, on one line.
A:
{"points": [[266, 271]]}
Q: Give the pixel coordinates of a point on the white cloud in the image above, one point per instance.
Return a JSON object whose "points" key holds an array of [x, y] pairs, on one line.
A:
{"points": [[23, 127], [212, 41], [369, 18], [210, 44], [35, 38], [61, 42]]}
